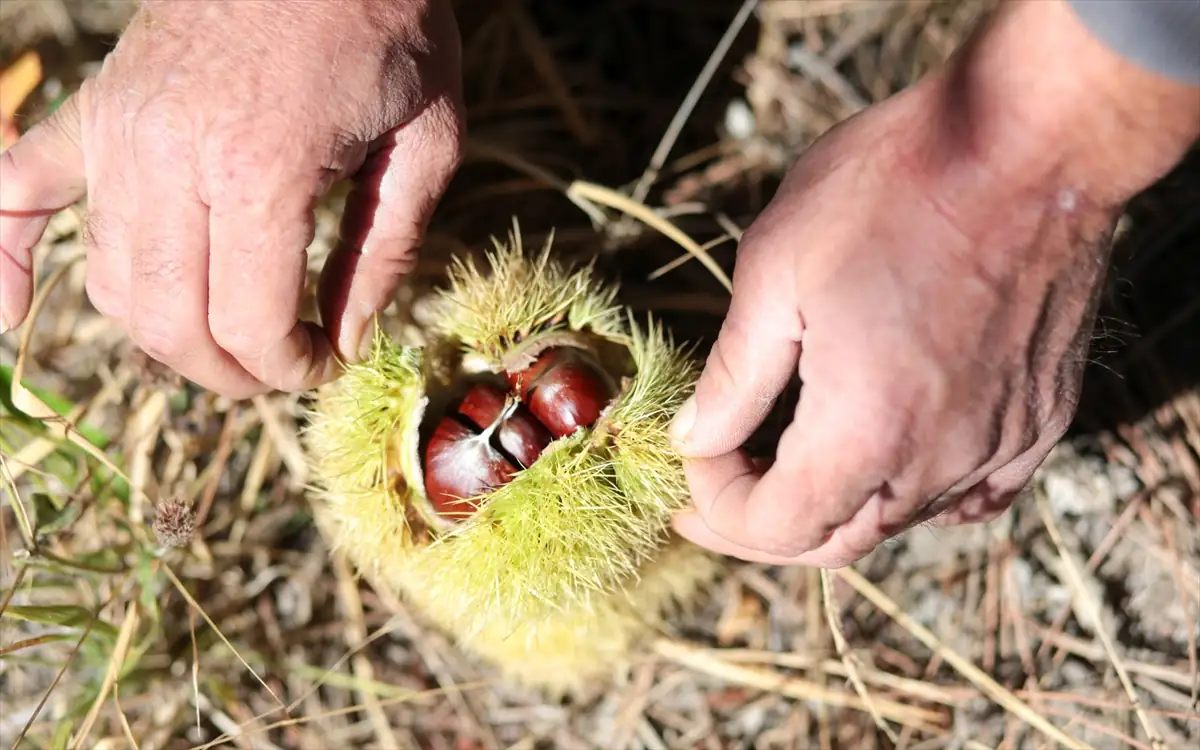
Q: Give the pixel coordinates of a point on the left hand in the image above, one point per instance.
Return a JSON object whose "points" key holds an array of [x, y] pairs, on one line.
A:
{"points": [[203, 145]]}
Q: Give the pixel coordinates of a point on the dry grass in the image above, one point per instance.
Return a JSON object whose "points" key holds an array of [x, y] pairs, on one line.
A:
{"points": [[163, 587]]}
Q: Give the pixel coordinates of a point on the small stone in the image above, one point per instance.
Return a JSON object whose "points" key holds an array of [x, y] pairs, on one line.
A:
{"points": [[739, 120]]}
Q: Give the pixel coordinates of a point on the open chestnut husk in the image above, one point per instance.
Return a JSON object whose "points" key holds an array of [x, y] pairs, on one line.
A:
{"points": [[524, 509]]}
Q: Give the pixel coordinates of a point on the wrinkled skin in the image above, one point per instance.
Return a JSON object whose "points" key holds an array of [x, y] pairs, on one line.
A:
{"points": [[202, 146], [930, 268]]}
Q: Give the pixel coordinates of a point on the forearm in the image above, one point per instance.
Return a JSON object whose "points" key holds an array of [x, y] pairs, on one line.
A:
{"points": [[1038, 95]]}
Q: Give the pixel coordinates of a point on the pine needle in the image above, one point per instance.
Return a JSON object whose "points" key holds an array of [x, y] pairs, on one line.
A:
{"points": [[832, 615], [613, 199], [994, 690]]}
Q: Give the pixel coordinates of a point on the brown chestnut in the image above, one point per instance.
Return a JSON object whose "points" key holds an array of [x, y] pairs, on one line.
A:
{"points": [[521, 436], [565, 389], [522, 380], [461, 464]]}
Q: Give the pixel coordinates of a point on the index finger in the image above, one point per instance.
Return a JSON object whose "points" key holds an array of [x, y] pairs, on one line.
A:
{"points": [[260, 225]]}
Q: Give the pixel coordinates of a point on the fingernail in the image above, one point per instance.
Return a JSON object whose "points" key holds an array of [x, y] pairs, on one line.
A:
{"points": [[367, 343], [685, 418]]}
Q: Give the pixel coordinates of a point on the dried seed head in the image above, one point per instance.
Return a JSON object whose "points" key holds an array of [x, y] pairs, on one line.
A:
{"points": [[174, 523]]}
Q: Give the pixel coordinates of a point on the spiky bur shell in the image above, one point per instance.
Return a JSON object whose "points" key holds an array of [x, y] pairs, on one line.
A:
{"points": [[353, 439], [575, 648], [521, 299], [569, 651], [551, 561]]}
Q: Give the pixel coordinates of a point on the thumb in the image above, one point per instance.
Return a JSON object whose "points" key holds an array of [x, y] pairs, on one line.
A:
{"points": [[756, 353], [40, 175], [386, 213]]}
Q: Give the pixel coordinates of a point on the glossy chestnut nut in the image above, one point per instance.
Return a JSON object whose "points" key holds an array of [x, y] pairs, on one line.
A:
{"points": [[521, 436], [565, 389], [461, 464]]}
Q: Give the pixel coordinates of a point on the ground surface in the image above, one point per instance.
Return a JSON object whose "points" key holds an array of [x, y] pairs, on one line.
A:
{"points": [[1087, 593]]}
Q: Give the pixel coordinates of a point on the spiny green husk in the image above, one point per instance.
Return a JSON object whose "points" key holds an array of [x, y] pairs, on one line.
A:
{"points": [[570, 562], [493, 313], [571, 648]]}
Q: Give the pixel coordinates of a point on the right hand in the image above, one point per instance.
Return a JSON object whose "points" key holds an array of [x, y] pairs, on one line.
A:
{"points": [[931, 270], [202, 146]]}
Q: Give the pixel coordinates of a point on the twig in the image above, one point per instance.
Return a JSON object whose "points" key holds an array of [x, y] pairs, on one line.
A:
{"points": [[87, 630], [1168, 530], [356, 633], [613, 199], [666, 268], [345, 711], [224, 448], [1110, 540], [634, 709], [816, 68], [709, 662], [543, 63], [436, 664], [491, 152], [917, 689], [200, 610], [1088, 605], [115, 662], [125, 728], [1089, 650], [642, 189]]}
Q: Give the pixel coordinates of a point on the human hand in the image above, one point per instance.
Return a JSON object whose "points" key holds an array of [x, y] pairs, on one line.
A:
{"points": [[202, 146], [931, 267]]}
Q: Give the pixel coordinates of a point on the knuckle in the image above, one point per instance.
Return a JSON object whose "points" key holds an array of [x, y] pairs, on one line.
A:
{"points": [[158, 268], [224, 156], [1059, 420], [158, 335], [160, 128], [752, 247], [64, 125], [398, 264], [783, 537], [239, 153], [454, 142], [245, 339], [887, 447], [846, 548], [838, 560], [17, 192], [780, 546]]}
